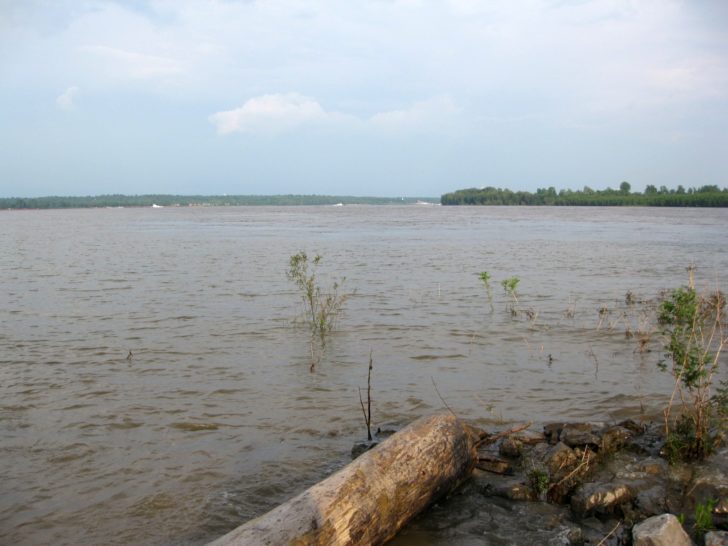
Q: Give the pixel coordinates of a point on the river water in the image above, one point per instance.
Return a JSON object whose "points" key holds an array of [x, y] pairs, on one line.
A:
{"points": [[215, 416]]}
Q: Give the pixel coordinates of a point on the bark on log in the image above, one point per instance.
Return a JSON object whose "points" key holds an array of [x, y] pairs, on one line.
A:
{"points": [[372, 498]]}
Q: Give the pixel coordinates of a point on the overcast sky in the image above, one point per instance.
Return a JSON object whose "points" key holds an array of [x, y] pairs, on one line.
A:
{"points": [[369, 97]]}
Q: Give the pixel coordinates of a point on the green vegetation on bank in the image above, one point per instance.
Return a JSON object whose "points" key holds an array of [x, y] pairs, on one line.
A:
{"points": [[61, 202], [705, 196]]}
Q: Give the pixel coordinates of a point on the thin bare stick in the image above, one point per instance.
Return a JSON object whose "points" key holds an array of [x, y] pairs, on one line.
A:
{"points": [[585, 460], [441, 398], [314, 359], [368, 411], [495, 437], [369, 396], [609, 534], [366, 419]]}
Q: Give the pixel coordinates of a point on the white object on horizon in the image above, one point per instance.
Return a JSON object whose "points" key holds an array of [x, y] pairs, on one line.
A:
{"points": [[155, 206], [338, 205]]}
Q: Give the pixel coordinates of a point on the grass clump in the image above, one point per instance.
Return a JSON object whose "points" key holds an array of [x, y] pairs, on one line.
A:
{"points": [[704, 516], [538, 482]]}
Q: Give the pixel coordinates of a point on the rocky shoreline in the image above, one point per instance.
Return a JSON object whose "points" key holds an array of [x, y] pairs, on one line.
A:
{"points": [[611, 477], [581, 484]]}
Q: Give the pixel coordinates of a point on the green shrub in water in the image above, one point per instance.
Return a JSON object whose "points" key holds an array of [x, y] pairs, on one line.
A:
{"points": [[694, 326], [322, 307]]}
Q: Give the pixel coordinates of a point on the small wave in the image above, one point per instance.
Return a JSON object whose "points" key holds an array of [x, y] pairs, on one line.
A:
{"points": [[226, 391], [71, 453], [150, 505], [194, 427], [94, 394], [76, 406], [125, 425], [436, 357], [17, 407]]}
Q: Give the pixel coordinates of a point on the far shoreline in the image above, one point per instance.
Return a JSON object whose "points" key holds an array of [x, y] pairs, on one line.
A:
{"points": [[710, 196], [185, 201]]}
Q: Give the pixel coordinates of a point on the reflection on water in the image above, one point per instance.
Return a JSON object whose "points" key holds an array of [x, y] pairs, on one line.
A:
{"points": [[215, 417]]}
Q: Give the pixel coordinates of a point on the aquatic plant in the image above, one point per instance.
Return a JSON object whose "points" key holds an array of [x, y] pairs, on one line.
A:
{"points": [[485, 277], [694, 327], [637, 315], [509, 286], [322, 306], [603, 314]]}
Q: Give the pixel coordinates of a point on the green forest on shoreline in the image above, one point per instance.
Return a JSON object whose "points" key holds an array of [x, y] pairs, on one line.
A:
{"points": [[705, 196], [100, 201]]}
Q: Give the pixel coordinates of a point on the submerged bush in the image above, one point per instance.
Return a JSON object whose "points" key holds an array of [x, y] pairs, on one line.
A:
{"points": [[321, 306], [694, 326]]}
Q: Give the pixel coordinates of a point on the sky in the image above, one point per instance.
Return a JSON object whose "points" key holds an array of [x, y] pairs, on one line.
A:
{"points": [[360, 97]]}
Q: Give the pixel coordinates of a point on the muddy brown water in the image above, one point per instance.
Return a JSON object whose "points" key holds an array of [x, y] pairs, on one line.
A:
{"points": [[216, 418]]}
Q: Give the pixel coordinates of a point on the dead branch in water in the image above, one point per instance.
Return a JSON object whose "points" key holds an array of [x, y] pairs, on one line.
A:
{"points": [[368, 411], [486, 438], [604, 540], [441, 398]]}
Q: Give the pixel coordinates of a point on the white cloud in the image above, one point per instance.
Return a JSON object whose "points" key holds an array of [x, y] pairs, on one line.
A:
{"points": [[65, 101], [429, 111], [281, 112], [273, 113]]}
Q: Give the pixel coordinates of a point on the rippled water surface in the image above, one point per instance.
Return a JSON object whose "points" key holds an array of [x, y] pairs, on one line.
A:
{"points": [[215, 417]]}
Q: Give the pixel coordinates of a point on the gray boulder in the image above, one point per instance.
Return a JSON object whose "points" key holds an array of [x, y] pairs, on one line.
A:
{"points": [[579, 435], [559, 459], [599, 498], [716, 538], [662, 530]]}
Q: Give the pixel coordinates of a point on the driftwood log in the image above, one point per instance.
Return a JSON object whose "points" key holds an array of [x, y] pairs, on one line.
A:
{"points": [[371, 499]]}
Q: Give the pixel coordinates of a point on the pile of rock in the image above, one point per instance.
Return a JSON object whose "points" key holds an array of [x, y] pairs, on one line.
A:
{"points": [[612, 473]]}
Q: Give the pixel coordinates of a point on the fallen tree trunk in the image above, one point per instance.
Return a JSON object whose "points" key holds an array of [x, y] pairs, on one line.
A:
{"points": [[372, 498]]}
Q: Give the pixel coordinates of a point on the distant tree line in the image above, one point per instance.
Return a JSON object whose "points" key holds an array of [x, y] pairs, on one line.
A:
{"points": [[60, 202], [704, 196]]}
